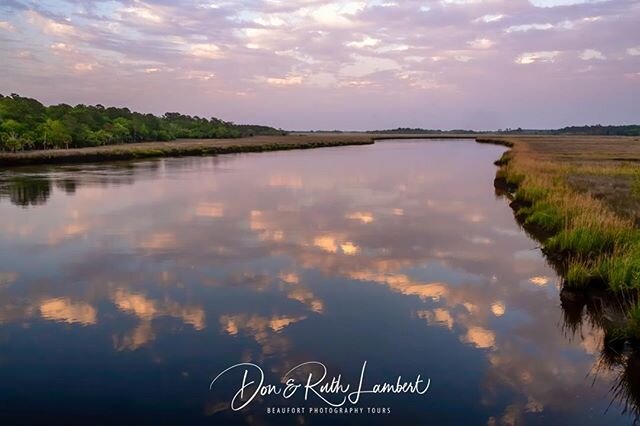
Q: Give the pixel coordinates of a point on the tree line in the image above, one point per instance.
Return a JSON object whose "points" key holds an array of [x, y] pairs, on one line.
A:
{"points": [[27, 124], [418, 130], [600, 130], [596, 130]]}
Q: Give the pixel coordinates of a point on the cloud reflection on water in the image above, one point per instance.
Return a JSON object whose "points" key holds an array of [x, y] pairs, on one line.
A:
{"points": [[283, 242]]}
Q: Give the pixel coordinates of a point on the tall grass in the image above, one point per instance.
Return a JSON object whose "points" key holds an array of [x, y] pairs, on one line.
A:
{"points": [[594, 244], [622, 269], [579, 275]]}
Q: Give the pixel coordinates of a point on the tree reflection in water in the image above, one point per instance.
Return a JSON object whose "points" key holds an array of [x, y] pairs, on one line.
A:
{"points": [[26, 191]]}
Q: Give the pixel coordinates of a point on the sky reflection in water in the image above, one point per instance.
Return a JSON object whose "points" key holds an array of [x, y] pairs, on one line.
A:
{"points": [[125, 288]]}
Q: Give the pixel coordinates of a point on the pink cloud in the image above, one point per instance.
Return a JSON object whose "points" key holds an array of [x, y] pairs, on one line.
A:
{"points": [[340, 64]]}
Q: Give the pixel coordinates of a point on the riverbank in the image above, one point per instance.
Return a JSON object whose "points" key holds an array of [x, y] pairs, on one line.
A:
{"points": [[185, 147], [580, 197], [181, 147]]}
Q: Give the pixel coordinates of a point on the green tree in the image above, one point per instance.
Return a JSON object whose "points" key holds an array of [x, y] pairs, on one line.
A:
{"points": [[56, 134], [11, 126], [24, 120], [103, 137], [12, 142]]}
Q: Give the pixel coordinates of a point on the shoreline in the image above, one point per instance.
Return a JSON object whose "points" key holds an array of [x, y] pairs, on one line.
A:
{"points": [[586, 235], [200, 147], [177, 148]]}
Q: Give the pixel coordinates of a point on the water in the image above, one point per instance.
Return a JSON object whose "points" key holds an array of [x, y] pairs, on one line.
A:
{"points": [[126, 288]]}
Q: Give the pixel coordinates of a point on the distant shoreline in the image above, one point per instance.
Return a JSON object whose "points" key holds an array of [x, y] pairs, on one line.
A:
{"points": [[177, 148], [193, 147]]}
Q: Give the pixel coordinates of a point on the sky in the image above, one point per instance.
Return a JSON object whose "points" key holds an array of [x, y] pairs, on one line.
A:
{"points": [[348, 65]]}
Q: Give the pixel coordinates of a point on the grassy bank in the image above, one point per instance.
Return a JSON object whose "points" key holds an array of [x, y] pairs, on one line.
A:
{"points": [[180, 147], [580, 196], [185, 147]]}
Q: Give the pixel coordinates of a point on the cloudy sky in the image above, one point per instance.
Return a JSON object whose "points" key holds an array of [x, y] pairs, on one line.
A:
{"points": [[307, 64]]}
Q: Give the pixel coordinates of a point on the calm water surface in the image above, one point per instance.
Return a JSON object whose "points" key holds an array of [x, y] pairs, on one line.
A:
{"points": [[126, 288]]}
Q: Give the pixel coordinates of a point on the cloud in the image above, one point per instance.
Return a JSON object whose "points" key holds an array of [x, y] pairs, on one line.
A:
{"points": [[64, 310], [481, 43], [144, 13], [490, 18], [535, 57], [529, 27], [555, 3], [49, 26], [205, 50], [365, 42], [290, 80], [336, 14], [83, 67], [539, 281], [229, 59], [480, 337], [589, 54], [363, 217], [7, 26], [60, 46]]}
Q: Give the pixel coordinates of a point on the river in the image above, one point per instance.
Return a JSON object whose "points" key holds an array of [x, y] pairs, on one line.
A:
{"points": [[126, 288]]}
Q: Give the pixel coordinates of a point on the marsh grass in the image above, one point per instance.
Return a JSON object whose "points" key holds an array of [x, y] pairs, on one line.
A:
{"points": [[590, 244], [581, 275], [622, 269], [181, 148], [631, 328], [593, 243], [544, 216], [585, 243]]}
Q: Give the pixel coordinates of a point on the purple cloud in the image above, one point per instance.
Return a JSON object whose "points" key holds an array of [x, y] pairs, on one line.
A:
{"points": [[343, 64]]}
